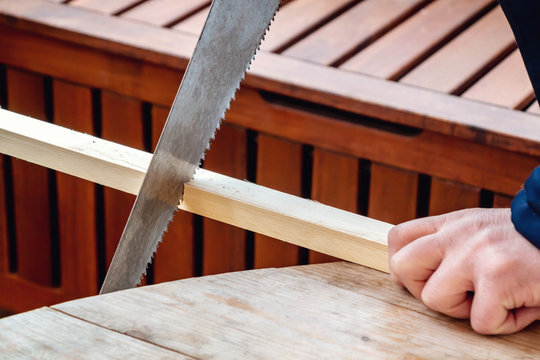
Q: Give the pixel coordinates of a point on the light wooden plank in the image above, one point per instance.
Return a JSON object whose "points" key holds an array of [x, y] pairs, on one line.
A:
{"points": [[193, 24], [164, 12], [447, 196], [50, 334], [350, 30], [104, 6], [283, 313], [508, 84], [406, 44], [30, 186], [175, 259], [534, 108], [296, 18], [240, 203], [279, 166], [76, 198], [459, 62]]}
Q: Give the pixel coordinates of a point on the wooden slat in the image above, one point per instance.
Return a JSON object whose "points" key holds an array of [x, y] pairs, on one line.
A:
{"points": [[506, 85], [48, 333], [4, 239], [288, 314], [175, 259], [463, 59], [502, 201], [104, 6], [279, 166], [25, 95], [236, 202], [122, 123], [335, 183], [341, 89], [224, 246], [164, 12], [447, 196], [193, 24], [400, 49], [296, 18], [361, 24], [392, 194], [76, 198], [20, 295]]}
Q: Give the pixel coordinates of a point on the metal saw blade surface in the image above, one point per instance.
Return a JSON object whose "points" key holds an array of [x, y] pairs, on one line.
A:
{"points": [[227, 45]]}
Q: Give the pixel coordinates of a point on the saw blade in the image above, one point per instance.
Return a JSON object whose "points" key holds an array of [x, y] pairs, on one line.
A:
{"points": [[229, 40]]}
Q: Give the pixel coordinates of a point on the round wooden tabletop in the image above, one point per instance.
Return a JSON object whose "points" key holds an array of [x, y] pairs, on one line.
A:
{"points": [[338, 311]]}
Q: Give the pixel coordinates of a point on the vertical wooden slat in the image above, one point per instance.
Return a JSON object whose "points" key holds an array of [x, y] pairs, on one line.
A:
{"points": [[279, 166], [4, 239], [393, 194], [447, 196], [25, 95], [174, 258], [224, 246], [502, 201], [122, 123], [76, 198], [335, 183]]}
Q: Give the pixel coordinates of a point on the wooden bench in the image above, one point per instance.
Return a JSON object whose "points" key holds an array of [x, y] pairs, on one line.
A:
{"points": [[393, 109]]}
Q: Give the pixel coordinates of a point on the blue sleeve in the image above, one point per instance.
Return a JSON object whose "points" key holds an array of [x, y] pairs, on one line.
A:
{"points": [[523, 16]]}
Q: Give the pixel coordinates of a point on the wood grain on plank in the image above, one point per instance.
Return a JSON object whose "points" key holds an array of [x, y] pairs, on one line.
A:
{"points": [[193, 24], [164, 12], [447, 196], [76, 198], [224, 246], [121, 122], [25, 95], [296, 18], [52, 334], [392, 194], [335, 183], [279, 166], [269, 212], [467, 56], [351, 30], [175, 259], [506, 85], [400, 49], [286, 313], [104, 6]]}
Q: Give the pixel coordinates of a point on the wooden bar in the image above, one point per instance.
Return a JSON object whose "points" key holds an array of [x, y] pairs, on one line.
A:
{"points": [[236, 202]]}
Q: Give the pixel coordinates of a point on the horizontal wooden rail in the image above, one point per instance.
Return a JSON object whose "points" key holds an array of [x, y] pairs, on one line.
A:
{"points": [[298, 221]]}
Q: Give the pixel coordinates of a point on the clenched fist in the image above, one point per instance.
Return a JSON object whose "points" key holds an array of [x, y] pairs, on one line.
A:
{"points": [[469, 264]]}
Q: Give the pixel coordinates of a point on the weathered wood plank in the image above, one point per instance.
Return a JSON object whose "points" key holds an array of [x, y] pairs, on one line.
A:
{"points": [[193, 24], [284, 313], [459, 63], [400, 49], [76, 198], [175, 258], [50, 334], [104, 6], [279, 166], [164, 12], [252, 207], [25, 95]]}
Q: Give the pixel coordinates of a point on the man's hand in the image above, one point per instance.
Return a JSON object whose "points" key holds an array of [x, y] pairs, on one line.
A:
{"points": [[469, 264]]}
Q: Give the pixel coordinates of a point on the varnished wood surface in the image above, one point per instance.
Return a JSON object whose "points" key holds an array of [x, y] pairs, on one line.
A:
{"points": [[328, 311]]}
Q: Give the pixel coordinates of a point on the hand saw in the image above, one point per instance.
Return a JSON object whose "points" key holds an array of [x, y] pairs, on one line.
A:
{"points": [[227, 45]]}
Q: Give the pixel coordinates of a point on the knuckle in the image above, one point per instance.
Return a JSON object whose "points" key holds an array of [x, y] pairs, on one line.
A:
{"points": [[430, 299], [481, 326]]}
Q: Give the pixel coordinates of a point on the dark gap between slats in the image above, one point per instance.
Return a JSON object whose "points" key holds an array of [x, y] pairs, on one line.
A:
{"points": [[100, 200], [318, 25], [146, 109], [361, 46], [423, 195], [9, 205], [337, 114], [198, 233], [307, 180], [486, 199], [53, 193], [364, 179], [129, 7], [449, 37], [251, 172], [185, 16]]}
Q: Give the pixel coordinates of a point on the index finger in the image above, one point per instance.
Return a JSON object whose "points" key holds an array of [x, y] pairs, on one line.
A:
{"points": [[403, 234]]}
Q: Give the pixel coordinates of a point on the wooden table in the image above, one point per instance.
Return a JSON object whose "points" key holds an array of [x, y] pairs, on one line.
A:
{"points": [[337, 310]]}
